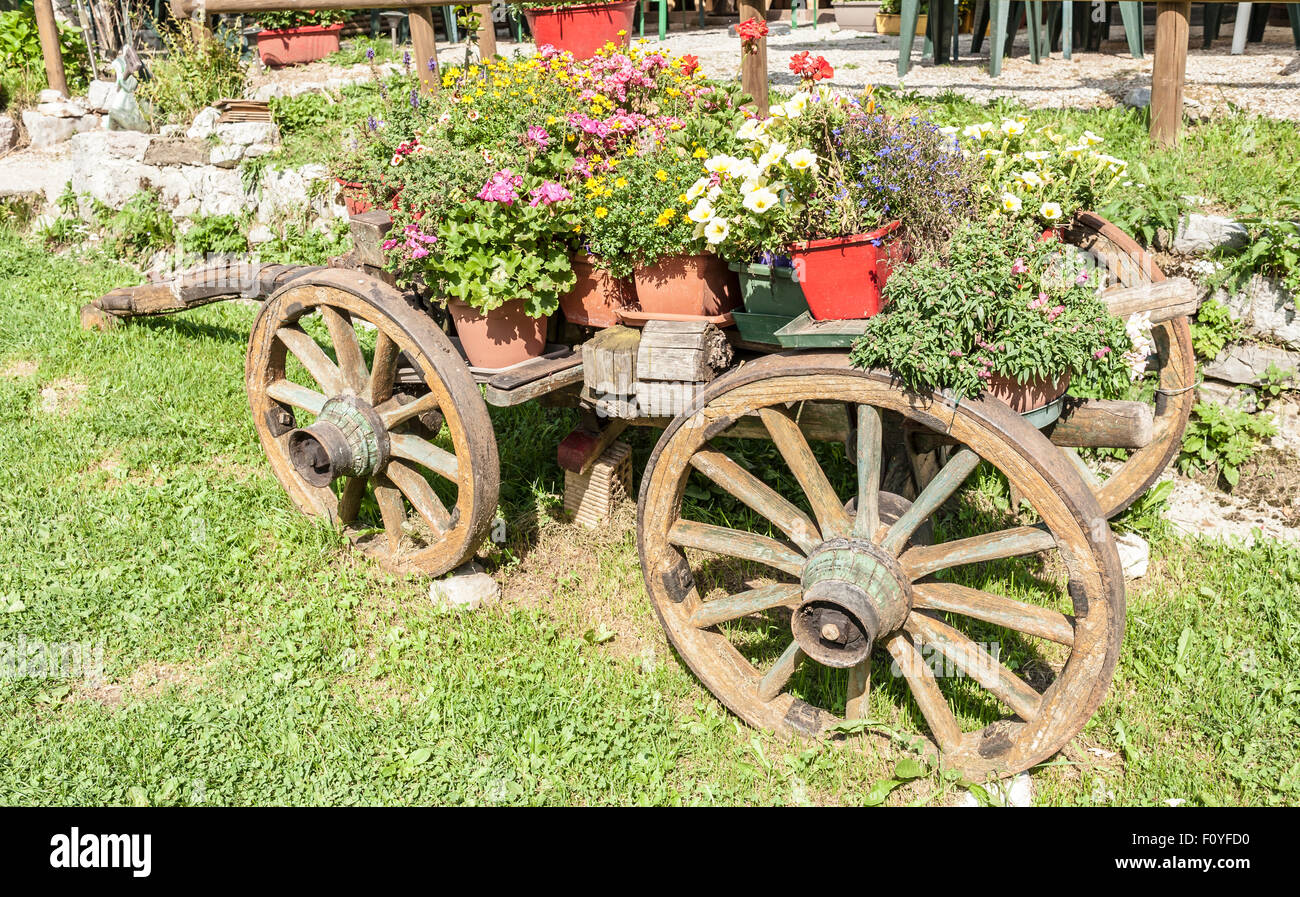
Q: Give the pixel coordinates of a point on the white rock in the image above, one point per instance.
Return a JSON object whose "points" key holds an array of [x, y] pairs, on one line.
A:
{"points": [[226, 155], [1134, 554], [259, 234], [49, 95], [1241, 399], [172, 130], [220, 191], [1247, 363], [468, 587], [173, 187], [1287, 418], [99, 94], [46, 130], [248, 132], [204, 124], [1138, 97], [253, 150], [1019, 792], [1266, 309], [8, 133], [98, 147], [62, 109], [1199, 233], [186, 209]]}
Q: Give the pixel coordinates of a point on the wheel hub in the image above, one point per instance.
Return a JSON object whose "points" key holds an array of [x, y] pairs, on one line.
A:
{"points": [[347, 439], [853, 593]]}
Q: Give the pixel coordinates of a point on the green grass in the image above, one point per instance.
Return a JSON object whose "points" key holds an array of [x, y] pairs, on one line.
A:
{"points": [[251, 657]]}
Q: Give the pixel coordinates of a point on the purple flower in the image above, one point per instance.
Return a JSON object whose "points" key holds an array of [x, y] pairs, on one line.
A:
{"points": [[433, 63], [415, 99], [370, 54], [406, 59]]}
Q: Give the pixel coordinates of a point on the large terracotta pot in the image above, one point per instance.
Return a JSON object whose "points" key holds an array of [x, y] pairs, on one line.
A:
{"points": [[842, 276], [582, 28], [596, 298], [687, 285], [504, 336], [1030, 396], [292, 46]]}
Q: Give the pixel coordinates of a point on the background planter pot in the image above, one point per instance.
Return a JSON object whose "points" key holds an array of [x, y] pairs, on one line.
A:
{"points": [[292, 46], [888, 23], [842, 276], [690, 285], [1030, 396], [772, 297], [504, 336], [597, 297], [857, 15], [582, 29]]}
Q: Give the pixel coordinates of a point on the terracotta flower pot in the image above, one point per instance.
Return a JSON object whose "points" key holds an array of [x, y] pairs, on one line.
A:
{"points": [[842, 276], [1030, 396], [596, 298], [292, 46], [687, 285], [355, 197], [504, 336], [583, 28]]}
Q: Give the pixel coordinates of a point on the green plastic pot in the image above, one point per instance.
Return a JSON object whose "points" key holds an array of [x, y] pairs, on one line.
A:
{"points": [[770, 291]]}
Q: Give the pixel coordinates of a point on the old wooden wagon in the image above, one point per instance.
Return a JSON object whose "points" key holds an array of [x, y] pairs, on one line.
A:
{"points": [[404, 421]]}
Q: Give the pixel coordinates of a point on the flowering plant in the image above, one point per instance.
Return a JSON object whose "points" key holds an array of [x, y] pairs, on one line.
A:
{"points": [[751, 31], [1001, 304], [281, 19], [1042, 175]]}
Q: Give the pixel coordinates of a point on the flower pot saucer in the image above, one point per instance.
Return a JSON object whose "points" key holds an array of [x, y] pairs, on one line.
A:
{"points": [[482, 374], [634, 318]]}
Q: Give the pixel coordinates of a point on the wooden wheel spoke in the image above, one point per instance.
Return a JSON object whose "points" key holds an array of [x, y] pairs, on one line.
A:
{"points": [[922, 560], [394, 413], [867, 520], [733, 607], [313, 358], [420, 494], [944, 484], [383, 369], [859, 691], [298, 396], [976, 663], [393, 510], [350, 500], [722, 470], [925, 691], [736, 544], [426, 454], [790, 441], [775, 679], [347, 349], [996, 609]]}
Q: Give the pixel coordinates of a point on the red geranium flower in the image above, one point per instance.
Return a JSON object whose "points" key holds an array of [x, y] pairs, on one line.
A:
{"points": [[751, 31], [812, 69], [690, 64]]}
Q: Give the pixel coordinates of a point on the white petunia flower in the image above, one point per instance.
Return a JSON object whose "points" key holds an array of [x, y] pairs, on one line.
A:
{"points": [[701, 212], [1050, 211], [760, 200], [1010, 202], [1012, 128], [716, 231], [802, 160], [697, 189]]}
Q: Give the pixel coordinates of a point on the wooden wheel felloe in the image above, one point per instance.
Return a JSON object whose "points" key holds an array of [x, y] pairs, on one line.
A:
{"points": [[841, 579], [371, 420], [1132, 266]]}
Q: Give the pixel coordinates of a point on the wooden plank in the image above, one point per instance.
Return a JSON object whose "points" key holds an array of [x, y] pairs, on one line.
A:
{"points": [[721, 469], [996, 609], [869, 453], [827, 506], [736, 544], [1163, 300], [48, 32], [742, 604], [487, 32], [609, 360], [1168, 71], [753, 66], [425, 48], [977, 663], [1104, 423], [691, 351], [922, 560], [561, 378], [369, 231]]}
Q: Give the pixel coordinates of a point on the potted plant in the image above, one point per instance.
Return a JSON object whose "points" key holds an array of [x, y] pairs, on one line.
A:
{"points": [[578, 27], [1006, 312], [294, 36], [857, 15], [889, 20]]}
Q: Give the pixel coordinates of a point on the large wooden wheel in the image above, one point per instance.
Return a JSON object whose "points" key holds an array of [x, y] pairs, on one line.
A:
{"points": [[371, 420], [1130, 265], [827, 577]]}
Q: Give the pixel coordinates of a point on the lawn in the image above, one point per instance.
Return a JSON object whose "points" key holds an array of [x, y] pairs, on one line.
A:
{"points": [[251, 658]]}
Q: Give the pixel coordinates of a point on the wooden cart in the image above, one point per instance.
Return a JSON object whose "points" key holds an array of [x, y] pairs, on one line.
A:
{"points": [[408, 425]]}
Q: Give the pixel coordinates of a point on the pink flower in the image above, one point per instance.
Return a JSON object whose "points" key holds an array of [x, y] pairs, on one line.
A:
{"points": [[501, 187], [539, 136], [1082, 278], [1019, 266], [548, 193], [1101, 353]]}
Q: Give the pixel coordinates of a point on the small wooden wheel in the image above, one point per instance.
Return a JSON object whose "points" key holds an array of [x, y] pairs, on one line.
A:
{"points": [[385, 433], [844, 578], [1131, 266]]}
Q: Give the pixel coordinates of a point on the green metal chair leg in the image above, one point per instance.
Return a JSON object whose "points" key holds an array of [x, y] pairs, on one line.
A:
{"points": [[663, 19], [1293, 13], [794, 13], [1213, 15], [449, 22], [981, 22], [1067, 29], [1034, 27], [906, 34], [997, 44], [1132, 16]]}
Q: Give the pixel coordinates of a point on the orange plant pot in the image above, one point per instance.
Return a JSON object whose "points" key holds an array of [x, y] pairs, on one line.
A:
{"points": [[502, 337], [693, 285], [596, 298], [294, 46], [1028, 396]]}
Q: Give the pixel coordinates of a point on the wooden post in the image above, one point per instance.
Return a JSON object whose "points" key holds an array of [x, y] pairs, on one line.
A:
{"points": [[753, 66], [49, 34], [425, 45], [487, 32], [1169, 71]]}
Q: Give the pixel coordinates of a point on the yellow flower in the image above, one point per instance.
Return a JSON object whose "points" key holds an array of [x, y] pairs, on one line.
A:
{"points": [[601, 211], [661, 175], [701, 153], [620, 183]]}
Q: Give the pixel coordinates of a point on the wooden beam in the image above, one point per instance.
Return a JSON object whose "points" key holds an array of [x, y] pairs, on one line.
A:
{"points": [[48, 30], [753, 66], [1163, 300], [1104, 423], [425, 46], [1169, 70], [252, 6], [487, 32]]}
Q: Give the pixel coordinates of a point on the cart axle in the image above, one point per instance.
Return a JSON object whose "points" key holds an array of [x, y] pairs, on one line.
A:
{"points": [[853, 593]]}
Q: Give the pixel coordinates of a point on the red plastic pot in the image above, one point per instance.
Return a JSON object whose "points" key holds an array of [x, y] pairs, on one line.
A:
{"points": [[504, 336], [293, 46], [583, 28], [842, 276], [596, 298]]}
